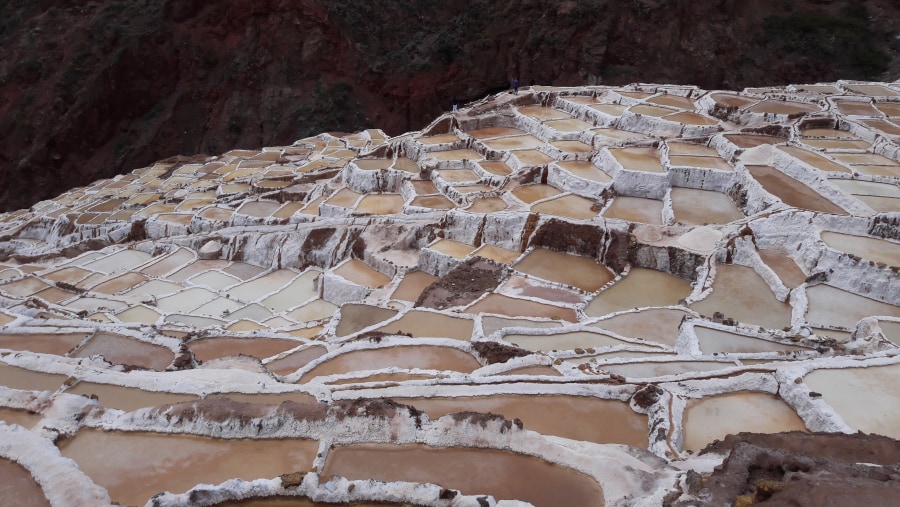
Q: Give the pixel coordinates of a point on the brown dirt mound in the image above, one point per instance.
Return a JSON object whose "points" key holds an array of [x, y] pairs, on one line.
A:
{"points": [[804, 469], [464, 284]]}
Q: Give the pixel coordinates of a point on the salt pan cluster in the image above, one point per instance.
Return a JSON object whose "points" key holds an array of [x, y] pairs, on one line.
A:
{"points": [[555, 298]]}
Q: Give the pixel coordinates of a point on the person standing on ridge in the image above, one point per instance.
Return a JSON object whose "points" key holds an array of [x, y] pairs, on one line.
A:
{"points": [[455, 105], [516, 86]]}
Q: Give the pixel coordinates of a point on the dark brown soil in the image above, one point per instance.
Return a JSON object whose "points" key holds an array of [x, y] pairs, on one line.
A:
{"points": [[464, 284], [804, 469], [493, 352]]}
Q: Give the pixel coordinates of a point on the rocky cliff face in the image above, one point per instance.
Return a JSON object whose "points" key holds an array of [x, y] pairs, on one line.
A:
{"points": [[88, 90]]}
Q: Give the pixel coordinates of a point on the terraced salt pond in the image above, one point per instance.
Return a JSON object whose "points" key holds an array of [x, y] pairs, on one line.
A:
{"points": [[18, 487], [178, 462], [865, 398], [738, 292], [712, 418], [873, 249], [503, 475], [418, 356], [611, 421]]}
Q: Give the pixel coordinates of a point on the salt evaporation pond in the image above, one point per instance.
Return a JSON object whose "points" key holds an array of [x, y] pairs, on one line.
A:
{"points": [[178, 462], [18, 487], [504, 475], [608, 421], [866, 398], [714, 417]]}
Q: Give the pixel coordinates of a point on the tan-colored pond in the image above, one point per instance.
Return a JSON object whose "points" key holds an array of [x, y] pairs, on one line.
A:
{"points": [[714, 340], [739, 293], [838, 144], [572, 146], [792, 192], [296, 360], [261, 348], [316, 309], [543, 113], [873, 249], [636, 209], [381, 204], [586, 170], [715, 417], [746, 141], [119, 283], [496, 168], [422, 324], [27, 380], [502, 474], [495, 253], [673, 100], [23, 418], [770, 106], [889, 108], [649, 110], [531, 193], [569, 206], [266, 284], [701, 207], [524, 142], [360, 273], [642, 287], [432, 201], [829, 306], [412, 285], [515, 307], [866, 398], [491, 324], [532, 157], [452, 248], [355, 317], [177, 463], [128, 351], [691, 119], [660, 369], [564, 341], [57, 344], [465, 154], [826, 132], [618, 134], [857, 108], [708, 162], [576, 417], [18, 488], [813, 159], [891, 331], [534, 371], [654, 324], [638, 159], [729, 100], [582, 272], [569, 125], [425, 357], [610, 109], [787, 270], [127, 398], [521, 286]]}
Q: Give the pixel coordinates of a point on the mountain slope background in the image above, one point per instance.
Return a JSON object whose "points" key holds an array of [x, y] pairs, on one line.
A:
{"points": [[90, 89]]}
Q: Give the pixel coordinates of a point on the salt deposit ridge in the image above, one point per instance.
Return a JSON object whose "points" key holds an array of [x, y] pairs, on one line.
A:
{"points": [[552, 298]]}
